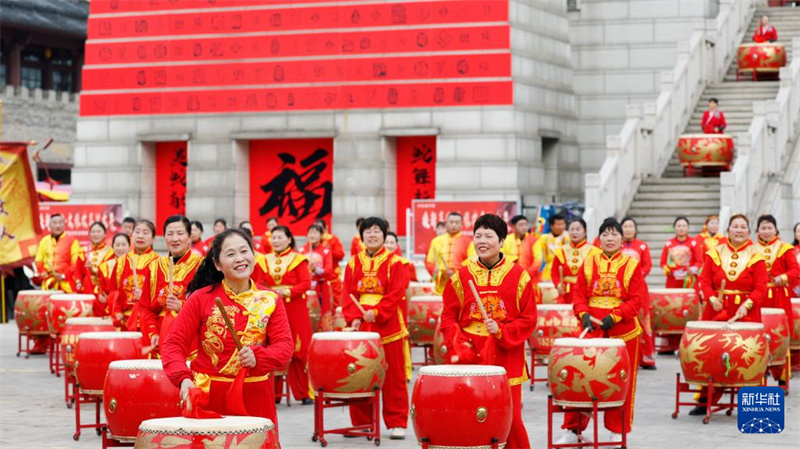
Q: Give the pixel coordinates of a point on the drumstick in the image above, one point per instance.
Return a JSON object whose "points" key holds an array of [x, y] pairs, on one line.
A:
{"points": [[478, 300], [585, 331], [135, 275], [358, 304], [228, 323], [721, 292], [171, 272], [561, 276]]}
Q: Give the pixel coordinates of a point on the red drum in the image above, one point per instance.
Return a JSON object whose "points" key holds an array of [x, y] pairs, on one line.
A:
{"points": [[581, 369], [229, 432], [423, 314], [314, 311], [548, 292], [705, 150], [135, 391], [339, 323], [461, 406], [73, 328], [672, 308], [776, 325], [439, 349], [732, 355], [761, 57], [794, 342], [346, 364], [420, 289], [30, 311], [96, 350], [554, 321], [69, 305]]}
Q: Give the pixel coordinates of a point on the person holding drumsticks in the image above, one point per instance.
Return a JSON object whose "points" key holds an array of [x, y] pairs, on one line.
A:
{"points": [[609, 293], [130, 273], [233, 366], [489, 312], [375, 282], [569, 259]]}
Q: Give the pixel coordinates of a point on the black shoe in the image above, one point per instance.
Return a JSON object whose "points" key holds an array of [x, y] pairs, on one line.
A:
{"points": [[277, 401], [781, 383], [307, 401], [648, 367], [698, 411], [666, 352]]}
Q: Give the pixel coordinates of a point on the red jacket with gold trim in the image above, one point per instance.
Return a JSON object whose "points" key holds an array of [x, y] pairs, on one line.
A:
{"points": [[745, 276]]}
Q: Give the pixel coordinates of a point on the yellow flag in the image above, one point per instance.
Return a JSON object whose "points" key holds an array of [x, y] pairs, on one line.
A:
{"points": [[19, 207]]}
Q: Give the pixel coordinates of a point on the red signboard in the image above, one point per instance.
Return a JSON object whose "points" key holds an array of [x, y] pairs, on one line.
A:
{"points": [[171, 160], [123, 6], [429, 212], [416, 174], [80, 216], [291, 179]]}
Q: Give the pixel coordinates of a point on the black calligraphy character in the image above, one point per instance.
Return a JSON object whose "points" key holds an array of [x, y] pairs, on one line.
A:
{"points": [[422, 176], [300, 190], [422, 154], [422, 194]]}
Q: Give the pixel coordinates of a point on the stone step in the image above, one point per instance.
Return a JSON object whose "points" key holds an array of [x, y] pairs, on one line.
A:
{"points": [[688, 188], [677, 205], [729, 114], [666, 220], [667, 195], [658, 181]]}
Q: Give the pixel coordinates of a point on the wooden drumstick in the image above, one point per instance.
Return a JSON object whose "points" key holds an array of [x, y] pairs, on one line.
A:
{"points": [[596, 321], [561, 276], [585, 331], [478, 300], [228, 323], [358, 304], [171, 273]]}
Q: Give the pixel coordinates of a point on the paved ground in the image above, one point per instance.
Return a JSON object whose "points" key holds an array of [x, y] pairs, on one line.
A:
{"points": [[32, 414]]}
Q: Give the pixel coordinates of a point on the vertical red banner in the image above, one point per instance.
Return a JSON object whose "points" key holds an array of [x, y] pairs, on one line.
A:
{"points": [[291, 179], [416, 174], [171, 164]]}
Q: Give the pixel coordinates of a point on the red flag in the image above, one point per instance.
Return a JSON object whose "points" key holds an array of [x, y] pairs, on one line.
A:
{"points": [[234, 405]]}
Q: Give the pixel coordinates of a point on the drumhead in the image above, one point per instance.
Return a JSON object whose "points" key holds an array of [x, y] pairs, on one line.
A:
{"points": [[110, 335], [228, 425], [38, 292], [772, 311], [795, 300], [137, 365], [723, 325], [88, 321], [589, 342], [462, 370], [673, 291], [426, 298], [421, 284], [557, 307], [71, 297], [340, 336], [544, 285]]}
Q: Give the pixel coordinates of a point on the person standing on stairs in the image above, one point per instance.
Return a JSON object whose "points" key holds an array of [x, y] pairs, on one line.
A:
{"points": [[765, 32], [681, 260], [713, 119]]}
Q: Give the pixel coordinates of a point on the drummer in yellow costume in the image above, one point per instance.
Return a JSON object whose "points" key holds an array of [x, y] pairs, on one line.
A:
{"points": [[56, 257], [543, 251], [447, 252]]}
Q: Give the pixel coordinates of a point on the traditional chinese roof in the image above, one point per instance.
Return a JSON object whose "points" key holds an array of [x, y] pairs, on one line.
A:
{"points": [[60, 16]]}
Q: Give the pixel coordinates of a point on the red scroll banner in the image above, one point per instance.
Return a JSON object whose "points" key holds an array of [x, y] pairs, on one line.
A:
{"points": [[428, 212], [79, 217], [291, 179], [19, 207], [416, 174], [171, 163]]}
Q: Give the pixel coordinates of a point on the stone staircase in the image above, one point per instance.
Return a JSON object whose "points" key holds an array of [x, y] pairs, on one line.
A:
{"points": [[659, 200]]}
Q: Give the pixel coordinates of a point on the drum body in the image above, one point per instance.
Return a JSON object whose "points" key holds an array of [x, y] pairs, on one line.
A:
{"points": [[231, 431], [776, 325], [548, 292], [464, 406], [423, 314], [30, 311], [135, 391], [672, 308], [314, 311], [96, 350], [794, 342], [580, 369], [346, 364], [419, 289], [732, 355], [72, 329], [69, 305], [761, 57], [553, 321], [705, 150]]}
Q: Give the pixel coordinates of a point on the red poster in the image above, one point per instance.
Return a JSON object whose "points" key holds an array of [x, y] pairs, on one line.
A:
{"points": [[291, 179], [429, 212], [122, 6], [416, 174], [80, 216], [171, 164]]}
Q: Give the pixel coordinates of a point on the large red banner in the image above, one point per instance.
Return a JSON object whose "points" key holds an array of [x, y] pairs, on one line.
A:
{"points": [[19, 207], [416, 174], [79, 217], [123, 6], [291, 179], [429, 212], [171, 161]]}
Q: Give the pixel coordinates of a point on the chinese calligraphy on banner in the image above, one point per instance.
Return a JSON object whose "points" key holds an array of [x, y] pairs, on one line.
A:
{"points": [[171, 161], [291, 179], [19, 207], [416, 174]]}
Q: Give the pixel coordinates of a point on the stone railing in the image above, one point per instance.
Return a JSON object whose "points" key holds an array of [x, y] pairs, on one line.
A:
{"points": [[24, 93], [648, 137], [763, 152]]}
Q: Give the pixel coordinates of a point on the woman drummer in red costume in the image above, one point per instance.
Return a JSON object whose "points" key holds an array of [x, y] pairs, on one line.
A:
{"points": [[237, 381], [508, 298], [569, 259], [130, 274], [637, 249], [286, 271], [121, 244], [377, 280], [611, 289]]}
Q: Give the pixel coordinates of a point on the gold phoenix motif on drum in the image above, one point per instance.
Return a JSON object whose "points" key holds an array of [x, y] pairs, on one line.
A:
{"points": [[585, 370], [671, 313], [705, 150], [745, 363], [29, 311], [761, 56], [372, 370]]}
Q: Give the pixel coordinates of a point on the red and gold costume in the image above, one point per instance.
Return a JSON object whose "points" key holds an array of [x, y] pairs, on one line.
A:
{"points": [[58, 254], [106, 281], [541, 254], [154, 316], [287, 273], [512, 246], [640, 251], [612, 286], [714, 122], [333, 274], [266, 242], [378, 282], [446, 252], [130, 273], [681, 255], [200, 248], [745, 275], [765, 34], [87, 270], [569, 260], [260, 321], [509, 298], [707, 241], [322, 281], [356, 246], [796, 282]]}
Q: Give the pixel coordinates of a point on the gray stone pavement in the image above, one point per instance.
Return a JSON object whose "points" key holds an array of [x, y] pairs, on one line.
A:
{"points": [[33, 415]]}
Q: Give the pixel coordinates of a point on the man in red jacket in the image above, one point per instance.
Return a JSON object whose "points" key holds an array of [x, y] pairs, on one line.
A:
{"points": [[713, 119]]}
